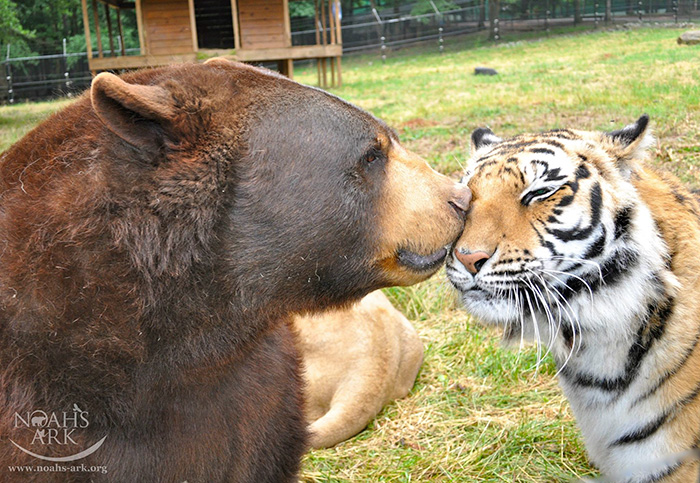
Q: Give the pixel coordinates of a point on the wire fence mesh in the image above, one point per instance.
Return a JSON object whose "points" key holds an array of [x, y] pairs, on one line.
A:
{"points": [[65, 73]]}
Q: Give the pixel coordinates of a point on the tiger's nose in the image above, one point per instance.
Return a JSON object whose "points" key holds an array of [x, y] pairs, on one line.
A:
{"points": [[472, 261]]}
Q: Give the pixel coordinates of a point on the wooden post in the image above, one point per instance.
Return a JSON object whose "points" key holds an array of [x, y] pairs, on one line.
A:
{"points": [[287, 23], [236, 30], [339, 41], [324, 39], [289, 63], [100, 54], [339, 30], [331, 26], [318, 39], [286, 67], [324, 25], [193, 26], [139, 26], [331, 21], [86, 21], [340, 72], [121, 31], [109, 30]]}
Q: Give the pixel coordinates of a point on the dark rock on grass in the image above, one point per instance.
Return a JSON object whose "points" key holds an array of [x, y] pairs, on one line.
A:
{"points": [[485, 71], [691, 37]]}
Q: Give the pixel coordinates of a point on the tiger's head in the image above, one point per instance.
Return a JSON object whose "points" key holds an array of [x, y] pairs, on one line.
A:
{"points": [[554, 219]]}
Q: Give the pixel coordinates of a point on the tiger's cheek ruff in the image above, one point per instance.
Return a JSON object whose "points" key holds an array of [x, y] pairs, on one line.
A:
{"points": [[609, 284]]}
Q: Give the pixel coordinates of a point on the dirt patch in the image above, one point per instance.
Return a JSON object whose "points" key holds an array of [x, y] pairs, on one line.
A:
{"points": [[417, 123]]}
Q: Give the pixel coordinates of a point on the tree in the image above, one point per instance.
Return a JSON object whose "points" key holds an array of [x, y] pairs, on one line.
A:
{"points": [[11, 29], [52, 21], [577, 12]]}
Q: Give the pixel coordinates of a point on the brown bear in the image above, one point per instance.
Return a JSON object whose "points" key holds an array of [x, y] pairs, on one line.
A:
{"points": [[157, 235]]}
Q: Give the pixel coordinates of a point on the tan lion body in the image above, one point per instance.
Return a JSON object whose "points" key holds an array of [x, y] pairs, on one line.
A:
{"points": [[356, 361]]}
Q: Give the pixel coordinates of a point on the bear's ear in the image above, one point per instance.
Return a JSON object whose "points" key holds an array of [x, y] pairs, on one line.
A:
{"points": [[630, 143], [214, 61], [482, 137], [132, 111]]}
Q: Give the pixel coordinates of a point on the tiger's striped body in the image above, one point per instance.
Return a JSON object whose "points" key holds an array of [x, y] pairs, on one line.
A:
{"points": [[573, 241]]}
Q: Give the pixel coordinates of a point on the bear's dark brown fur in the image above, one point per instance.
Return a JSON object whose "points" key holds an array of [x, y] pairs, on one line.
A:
{"points": [[156, 236]]}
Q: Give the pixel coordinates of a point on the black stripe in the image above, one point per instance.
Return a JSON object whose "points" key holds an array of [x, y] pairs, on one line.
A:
{"points": [[545, 243], [670, 373], [542, 150], [651, 428], [641, 433], [651, 329], [566, 201], [623, 222], [582, 171], [596, 248], [554, 143], [554, 175], [664, 474], [611, 271], [480, 167], [577, 233]]}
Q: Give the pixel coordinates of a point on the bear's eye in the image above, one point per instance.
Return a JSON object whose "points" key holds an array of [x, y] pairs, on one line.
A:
{"points": [[372, 156]]}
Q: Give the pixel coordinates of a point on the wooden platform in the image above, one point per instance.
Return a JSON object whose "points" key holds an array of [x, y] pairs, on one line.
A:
{"points": [[244, 30]]}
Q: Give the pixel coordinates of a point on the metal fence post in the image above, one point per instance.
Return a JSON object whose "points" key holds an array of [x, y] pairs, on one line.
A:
{"points": [[66, 74], [381, 38], [8, 70], [640, 10], [675, 11], [595, 14]]}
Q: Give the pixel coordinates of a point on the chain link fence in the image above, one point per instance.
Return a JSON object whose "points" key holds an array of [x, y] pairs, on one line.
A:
{"points": [[64, 74]]}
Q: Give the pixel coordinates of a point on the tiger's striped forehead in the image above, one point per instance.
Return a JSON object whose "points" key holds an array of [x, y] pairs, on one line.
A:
{"points": [[536, 159]]}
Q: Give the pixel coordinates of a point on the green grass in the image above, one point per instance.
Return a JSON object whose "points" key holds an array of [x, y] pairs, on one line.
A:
{"points": [[599, 80], [479, 412], [18, 120]]}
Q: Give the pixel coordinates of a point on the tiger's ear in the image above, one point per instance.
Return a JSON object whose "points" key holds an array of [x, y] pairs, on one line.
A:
{"points": [[139, 114], [631, 142], [482, 137]]}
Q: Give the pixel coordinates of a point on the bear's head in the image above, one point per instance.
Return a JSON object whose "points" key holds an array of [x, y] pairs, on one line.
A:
{"points": [[315, 201]]}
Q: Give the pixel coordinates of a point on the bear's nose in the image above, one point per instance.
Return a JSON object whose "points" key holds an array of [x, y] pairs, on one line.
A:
{"points": [[461, 197], [472, 261]]}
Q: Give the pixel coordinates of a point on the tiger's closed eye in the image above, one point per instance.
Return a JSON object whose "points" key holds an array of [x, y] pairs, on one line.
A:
{"points": [[531, 195], [540, 192]]}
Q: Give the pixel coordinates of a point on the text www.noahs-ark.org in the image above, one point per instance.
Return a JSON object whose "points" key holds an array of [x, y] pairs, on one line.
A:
{"points": [[58, 469]]}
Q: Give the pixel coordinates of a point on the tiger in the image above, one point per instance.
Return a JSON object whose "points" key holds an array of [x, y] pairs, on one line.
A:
{"points": [[574, 241]]}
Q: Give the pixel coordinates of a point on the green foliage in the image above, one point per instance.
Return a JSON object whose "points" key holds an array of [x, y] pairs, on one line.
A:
{"points": [[301, 8], [39, 26], [11, 29], [51, 20], [426, 6]]}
